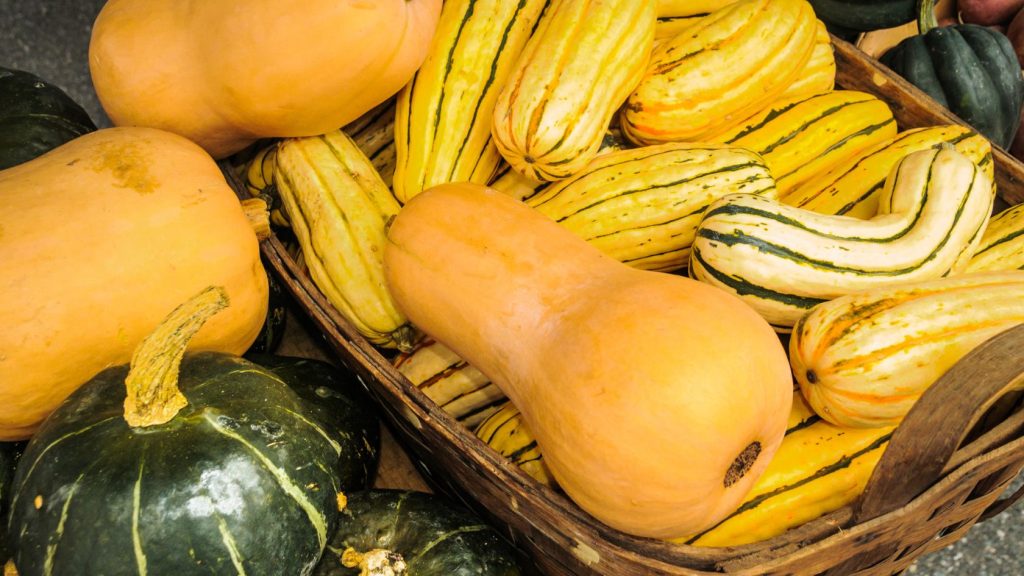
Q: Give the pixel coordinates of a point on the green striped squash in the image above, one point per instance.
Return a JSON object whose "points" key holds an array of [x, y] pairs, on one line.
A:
{"points": [[576, 70], [641, 206], [221, 468], [456, 387], [506, 433], [806, 136], [864, 359], [853, 187], [443, 115], [784, 260], [374, 134], [1002, 246], [818, 468]]}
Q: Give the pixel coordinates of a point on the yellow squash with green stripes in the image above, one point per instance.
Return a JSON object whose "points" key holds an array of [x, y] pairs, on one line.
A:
{"points": [[338, 207], [374, 134], [456, 387], [641, 206], [852, 188], [584, 59], [819, 73], [506, 433], [514, 184], [809, 135], [727, 67], [784, 260], [1002, 246], [443, 116], [819, 468], [864, 359], [258, 177], [671, 8]]}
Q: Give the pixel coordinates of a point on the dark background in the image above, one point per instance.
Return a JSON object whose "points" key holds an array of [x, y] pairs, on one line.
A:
{"points": [[50, 38]]}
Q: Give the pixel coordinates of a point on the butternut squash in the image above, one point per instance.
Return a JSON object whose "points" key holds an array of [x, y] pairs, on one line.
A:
{"points": [[577, 340], [225, 73], [101, 238]]}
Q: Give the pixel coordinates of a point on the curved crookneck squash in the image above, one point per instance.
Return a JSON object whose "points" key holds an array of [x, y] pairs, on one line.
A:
{"points": [[338, 207], [577, 340], [864, 359], [853, 188], [728, 66], [783, 260], [146, 220], [227, 73], [578, 67], [443, 115]]}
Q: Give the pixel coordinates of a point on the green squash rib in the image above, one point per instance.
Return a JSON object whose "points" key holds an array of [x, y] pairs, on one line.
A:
{"points": [[315, 518], [51, 548], [230, 545], [140, 555]]}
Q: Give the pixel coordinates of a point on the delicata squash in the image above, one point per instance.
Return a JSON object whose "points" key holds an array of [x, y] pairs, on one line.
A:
{"points": [[784, 260], [576, 340]]}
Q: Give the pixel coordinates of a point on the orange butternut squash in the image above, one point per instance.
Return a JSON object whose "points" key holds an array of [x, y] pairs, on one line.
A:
{"points": [[225, 73], [628, 379], [101, 238]]}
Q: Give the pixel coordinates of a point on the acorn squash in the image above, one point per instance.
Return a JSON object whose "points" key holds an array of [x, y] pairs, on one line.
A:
{"points": [[116, 227], [199, 464], [393, 532], [970, 69], [35, 117], [9, 454]]}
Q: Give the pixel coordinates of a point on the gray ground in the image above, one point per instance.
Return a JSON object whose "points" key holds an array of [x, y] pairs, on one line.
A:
{"points": [[50, 38]]}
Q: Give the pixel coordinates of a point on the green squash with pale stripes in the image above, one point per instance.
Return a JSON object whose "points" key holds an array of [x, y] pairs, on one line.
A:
{"points": [[9, 453], [242, 480], [401, 532]]}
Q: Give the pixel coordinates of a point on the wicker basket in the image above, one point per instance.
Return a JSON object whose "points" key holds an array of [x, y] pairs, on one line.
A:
{"points": [[947, 466]]}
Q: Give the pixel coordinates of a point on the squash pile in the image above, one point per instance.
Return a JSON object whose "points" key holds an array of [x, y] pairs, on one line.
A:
{"points": [[805, 202], [647, 250]]}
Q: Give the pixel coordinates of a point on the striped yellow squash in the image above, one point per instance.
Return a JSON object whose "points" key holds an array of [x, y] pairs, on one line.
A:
{"points": [[819, 73], [726, 67], [819, 468], [864, 359], [852, 188], [641, 206], [784, 260], [802, 138], [374, 134], [338, 207], [668, 27], [1002, 246], [673, 8], [258, 177], [456, 387], [520, 187], [443, 116], [506, 433], [577, 69]]}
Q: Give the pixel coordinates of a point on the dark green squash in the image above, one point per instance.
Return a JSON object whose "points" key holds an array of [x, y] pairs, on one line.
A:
{"points": [[276, 321], [35, 117], [845, 16], [9, 454], [415, 534], [971, 70], [340, 406], [218, 469]]}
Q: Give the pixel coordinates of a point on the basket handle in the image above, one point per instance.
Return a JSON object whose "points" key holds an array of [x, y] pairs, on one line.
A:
{"points": [[937, 424]]}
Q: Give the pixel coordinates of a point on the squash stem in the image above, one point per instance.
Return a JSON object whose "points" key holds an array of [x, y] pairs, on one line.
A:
{"points": [[376, 562], [153, 396], [926, 19], [9, 569], [258, 214]]}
